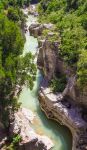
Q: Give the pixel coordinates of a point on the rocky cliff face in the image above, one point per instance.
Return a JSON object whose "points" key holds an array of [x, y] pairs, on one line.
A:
{"points": [[66, 113], [50, 62], [47, 58], [65, 107], [30, 139]]}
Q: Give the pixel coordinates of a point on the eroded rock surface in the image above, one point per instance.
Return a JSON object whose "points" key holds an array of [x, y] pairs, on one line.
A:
{"points": [[50, 62], [65, 107], [47, 58], [33, 11], [37, 28], [30, 139], [67, 113]]}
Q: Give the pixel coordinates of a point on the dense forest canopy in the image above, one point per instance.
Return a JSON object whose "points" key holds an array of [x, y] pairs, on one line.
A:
{"points": [[15, 69], [70, 19]]}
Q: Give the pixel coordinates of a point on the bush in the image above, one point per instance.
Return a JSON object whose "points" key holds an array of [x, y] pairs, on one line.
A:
{"points": [[82, 69], [58, 84], [15, 142], [13, 14]]}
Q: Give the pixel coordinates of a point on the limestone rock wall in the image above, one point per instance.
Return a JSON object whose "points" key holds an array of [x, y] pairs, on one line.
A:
{"points": [[47, 58], [67, 113], [49, 61]]}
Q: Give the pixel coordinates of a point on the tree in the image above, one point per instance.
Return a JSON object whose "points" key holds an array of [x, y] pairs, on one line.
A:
{"points": [[69, 17], [13, 14], [20, 3], [15, 70], [82, 69], [72, 4]]}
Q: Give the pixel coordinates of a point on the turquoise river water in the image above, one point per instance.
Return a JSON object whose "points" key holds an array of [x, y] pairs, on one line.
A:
{"points": [[59, 134]]}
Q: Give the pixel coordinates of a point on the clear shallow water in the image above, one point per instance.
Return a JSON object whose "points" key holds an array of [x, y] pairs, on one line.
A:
{"points": [[60, 135]]}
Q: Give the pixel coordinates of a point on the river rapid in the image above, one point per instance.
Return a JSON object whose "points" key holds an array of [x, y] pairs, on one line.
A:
{"points": [[60, 135]]}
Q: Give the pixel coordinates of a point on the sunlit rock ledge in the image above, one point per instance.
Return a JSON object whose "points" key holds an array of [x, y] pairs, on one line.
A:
{"points": [[66, 113], [30, 139]]}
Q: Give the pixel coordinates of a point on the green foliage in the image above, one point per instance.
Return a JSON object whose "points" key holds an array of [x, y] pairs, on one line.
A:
{"points": [[71, 44], [70, 18], [55, 5], [4, 3], [26, 65], [13, 14], [15, 70], [72, 4], [82, 68], [14, 3], [23, 2], [58, 84], [1, 7], [14, 144]]}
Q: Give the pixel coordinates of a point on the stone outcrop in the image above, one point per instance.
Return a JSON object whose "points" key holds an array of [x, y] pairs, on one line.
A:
{"points": [[65, 107], [67, 113], [32, 10], [47, 58], [30, 140], [77, 95], [50, 63], [37, 28]]}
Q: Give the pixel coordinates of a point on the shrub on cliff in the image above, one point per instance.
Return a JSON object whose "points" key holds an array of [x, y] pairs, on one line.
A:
{"points": [[82, 68], [58, 84]]}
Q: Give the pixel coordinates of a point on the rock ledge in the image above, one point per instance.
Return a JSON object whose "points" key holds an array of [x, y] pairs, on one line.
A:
{"points": [[30, 139]]}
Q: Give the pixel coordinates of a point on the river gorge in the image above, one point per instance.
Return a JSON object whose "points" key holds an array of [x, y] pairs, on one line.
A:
{"points": [[43, 75], [59, 134]]}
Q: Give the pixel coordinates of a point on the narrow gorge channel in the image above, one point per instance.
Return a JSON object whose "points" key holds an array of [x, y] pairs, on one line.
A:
{"points": [[59, 134]]}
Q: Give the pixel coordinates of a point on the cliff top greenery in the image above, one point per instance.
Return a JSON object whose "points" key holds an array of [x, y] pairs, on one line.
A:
{"points": [[70, 18], [16, 70], [51, 35]]}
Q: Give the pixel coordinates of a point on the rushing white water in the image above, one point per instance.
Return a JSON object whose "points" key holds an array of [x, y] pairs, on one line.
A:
{"points": [[60, 135]]}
